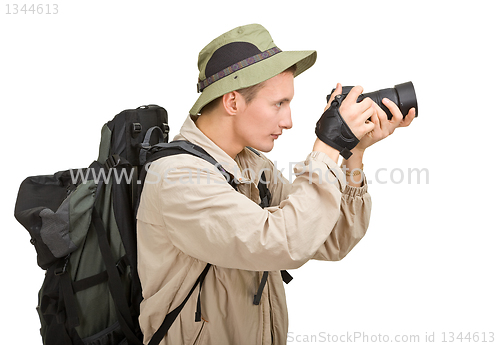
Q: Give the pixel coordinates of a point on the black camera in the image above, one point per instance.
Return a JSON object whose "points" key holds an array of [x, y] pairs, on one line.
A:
{"points": [[402, 94]]}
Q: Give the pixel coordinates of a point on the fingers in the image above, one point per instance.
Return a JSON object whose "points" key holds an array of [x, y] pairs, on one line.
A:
{"points": [[350, 107], [366, 104], [363, 106], [356, 114], [352, 96], [408, 118], [371, 125], [375, 120], [369, 110], [389, 126], [381, 126], [397, 117], [366, 125]]}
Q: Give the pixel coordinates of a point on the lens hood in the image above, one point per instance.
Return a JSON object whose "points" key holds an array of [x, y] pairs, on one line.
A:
{"points": [[407, 97]]}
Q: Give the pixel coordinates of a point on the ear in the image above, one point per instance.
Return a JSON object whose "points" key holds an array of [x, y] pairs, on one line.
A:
{"points": [[232, 102]]}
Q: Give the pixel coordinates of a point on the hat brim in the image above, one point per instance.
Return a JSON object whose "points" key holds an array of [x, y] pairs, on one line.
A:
{"points": [[255, 74]]}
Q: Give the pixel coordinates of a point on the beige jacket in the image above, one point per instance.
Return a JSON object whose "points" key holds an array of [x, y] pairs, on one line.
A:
{"points": [[189, 215]]}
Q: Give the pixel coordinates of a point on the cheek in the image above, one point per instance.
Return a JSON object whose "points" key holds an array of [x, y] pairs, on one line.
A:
{"points": [[258, 123], [249, 129], [254, 123], [263, 128], [254, 131]]}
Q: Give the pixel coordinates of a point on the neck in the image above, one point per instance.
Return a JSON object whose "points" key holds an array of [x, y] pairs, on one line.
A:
{"points": [[219, 129]]}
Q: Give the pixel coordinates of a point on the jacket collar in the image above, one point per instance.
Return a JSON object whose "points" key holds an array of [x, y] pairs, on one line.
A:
{"points": [[191, 133]]}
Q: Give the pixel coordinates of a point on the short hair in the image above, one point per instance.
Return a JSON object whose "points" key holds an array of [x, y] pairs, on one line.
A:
{"points": [[248, 93]]}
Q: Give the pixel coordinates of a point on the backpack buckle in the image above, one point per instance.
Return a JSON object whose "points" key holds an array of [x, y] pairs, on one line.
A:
{"points": [[122, 265], [62, 268], [137, 127], [112, 162]]}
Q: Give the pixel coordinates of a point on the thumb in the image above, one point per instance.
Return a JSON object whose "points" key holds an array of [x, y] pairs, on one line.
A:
{"points": [[337, 91]]}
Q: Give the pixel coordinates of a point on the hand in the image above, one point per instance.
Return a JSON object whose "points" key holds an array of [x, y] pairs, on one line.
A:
{"points": [[382, 126], [355, 114]]}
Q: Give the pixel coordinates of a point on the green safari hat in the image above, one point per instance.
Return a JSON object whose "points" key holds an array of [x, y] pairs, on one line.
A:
{"points": [[243, 57]]}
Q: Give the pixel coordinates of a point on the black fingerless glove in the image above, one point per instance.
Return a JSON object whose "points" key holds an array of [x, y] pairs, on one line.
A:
{"points": [[332, 129]]}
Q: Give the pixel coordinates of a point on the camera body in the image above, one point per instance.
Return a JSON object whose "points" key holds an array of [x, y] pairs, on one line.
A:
{"points": [[402, 94]]}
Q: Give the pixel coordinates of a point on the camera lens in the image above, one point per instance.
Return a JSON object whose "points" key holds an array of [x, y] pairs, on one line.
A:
{"points": [[402, 94]]}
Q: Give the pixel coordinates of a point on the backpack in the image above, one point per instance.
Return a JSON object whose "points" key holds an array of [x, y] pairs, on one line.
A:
{"points": [[82, 225]]}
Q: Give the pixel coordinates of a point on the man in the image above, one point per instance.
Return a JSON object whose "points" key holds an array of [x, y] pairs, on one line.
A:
{"points": [[190, 216]]}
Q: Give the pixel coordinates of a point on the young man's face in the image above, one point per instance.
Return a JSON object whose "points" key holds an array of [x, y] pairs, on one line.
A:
{"points": [[261, 121]]}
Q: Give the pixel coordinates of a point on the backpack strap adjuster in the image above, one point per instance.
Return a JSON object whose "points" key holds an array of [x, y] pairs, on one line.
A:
{"points": [[112, 162], [62, 267], [122, 264]]}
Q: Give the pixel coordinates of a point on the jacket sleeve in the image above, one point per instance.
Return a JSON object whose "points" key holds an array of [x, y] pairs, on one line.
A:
{"points": [[354, 214], [207, 219], [351, 226]]}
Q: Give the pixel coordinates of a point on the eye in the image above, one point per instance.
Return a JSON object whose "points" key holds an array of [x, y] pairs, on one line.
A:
{"points": [[279, 104]]}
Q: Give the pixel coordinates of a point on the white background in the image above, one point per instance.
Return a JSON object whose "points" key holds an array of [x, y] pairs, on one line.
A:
{"points": [[429, 262]]}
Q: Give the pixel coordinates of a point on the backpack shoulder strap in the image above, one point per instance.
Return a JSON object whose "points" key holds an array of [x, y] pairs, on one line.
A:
{"points": [[170, 318], [182, 147], [265, 201], [170, 149], [264, 193], [178, 147]]}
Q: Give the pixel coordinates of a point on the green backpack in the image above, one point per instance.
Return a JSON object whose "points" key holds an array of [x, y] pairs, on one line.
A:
{"points": [[82, 224]]}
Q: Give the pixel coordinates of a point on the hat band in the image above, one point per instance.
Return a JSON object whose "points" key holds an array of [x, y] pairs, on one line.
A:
{"points": [[237, 66]]}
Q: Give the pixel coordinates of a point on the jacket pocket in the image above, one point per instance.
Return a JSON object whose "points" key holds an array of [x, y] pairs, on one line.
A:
{"points": [[200, 335]]}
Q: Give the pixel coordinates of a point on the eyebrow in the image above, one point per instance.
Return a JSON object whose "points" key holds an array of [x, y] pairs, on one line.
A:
{"points": [[286, 99]]}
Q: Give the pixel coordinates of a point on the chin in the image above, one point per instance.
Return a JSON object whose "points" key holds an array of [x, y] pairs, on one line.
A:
{"points": [[263, 147]]}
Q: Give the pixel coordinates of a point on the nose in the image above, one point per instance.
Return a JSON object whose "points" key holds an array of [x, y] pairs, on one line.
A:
{"points": [[286, 121]]}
